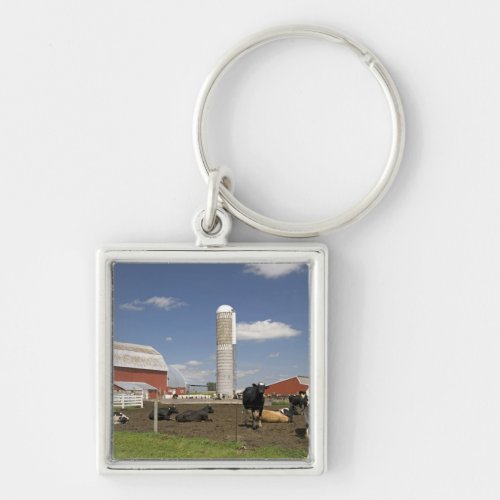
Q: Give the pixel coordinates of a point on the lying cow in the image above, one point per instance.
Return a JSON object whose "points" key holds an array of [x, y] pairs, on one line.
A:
{"points": [[195, 415], [276, 417], [163, 413], [119, 418]]}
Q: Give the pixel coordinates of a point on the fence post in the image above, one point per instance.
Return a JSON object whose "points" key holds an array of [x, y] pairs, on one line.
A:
{"points": [[155, 420]]}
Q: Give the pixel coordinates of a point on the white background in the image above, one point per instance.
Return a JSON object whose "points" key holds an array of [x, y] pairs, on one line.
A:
{"points": [[96, 102]]}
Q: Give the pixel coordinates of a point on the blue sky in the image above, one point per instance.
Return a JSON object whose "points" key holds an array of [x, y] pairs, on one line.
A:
{"points": [[171, 307]]}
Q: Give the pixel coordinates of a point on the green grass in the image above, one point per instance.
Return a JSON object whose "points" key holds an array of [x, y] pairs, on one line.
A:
{"points": [[148, 445]]}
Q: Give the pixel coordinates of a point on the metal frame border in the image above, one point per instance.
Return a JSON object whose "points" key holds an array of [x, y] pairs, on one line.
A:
{"points": [[316, 255]]}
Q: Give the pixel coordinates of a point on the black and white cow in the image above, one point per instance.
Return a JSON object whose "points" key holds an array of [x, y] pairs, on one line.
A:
{"points": [[195, 415], [119, 418], [253, 402], [297, 402], [306, 418], [301, 401], [163, 413], [288, 413]]}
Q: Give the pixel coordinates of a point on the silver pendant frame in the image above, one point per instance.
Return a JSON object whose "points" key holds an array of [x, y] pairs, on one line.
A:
{"points": [[314, 255]]}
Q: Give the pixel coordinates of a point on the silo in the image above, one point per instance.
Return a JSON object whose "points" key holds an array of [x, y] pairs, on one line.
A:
{"points": [[226, 351]]}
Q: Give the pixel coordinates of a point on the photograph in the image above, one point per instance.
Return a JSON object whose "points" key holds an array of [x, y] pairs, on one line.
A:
{"points": [[210, 361]]}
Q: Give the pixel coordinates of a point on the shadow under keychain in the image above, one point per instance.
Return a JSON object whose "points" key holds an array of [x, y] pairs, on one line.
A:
{"points": [[249, 292]]}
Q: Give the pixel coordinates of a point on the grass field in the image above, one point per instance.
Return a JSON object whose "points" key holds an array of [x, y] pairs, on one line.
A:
{"points": [[148, 445]]}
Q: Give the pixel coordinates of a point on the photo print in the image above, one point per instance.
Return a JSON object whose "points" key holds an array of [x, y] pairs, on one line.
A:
{"points": [[210, 363]]}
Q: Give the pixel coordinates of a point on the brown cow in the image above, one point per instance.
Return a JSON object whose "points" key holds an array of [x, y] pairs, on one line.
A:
{"points": [[274, 417]]}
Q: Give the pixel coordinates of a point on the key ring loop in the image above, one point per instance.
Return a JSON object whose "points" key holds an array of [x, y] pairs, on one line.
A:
{"points": [[217, 178], [377, 192]]}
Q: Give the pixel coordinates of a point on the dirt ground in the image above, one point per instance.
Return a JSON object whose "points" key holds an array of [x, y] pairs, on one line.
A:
{"points": [[227, 424]]}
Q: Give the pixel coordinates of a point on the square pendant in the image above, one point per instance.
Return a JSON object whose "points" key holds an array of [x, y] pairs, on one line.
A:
{"points": [[212, 359]]}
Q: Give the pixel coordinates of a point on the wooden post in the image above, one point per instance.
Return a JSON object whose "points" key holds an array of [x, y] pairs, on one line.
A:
{"points": [[155, 420], [236, 420]]}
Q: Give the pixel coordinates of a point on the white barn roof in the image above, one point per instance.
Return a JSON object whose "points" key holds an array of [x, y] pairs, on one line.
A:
{"points": [[135, 386], [137, 356]]}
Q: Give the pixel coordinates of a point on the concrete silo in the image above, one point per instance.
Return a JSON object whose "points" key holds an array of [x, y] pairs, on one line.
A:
{"points": [[226, 351]]}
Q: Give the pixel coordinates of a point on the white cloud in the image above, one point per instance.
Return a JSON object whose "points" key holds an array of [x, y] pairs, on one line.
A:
{"points": [[272, 270], [169, 339], [194, 363], [179, 366], [195, 376], [274, 355], [132, 306], [165, 303], [265, 330], [244, 373]]}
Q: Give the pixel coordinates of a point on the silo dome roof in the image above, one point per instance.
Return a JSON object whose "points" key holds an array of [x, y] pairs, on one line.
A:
{"points": [[225, 309]]}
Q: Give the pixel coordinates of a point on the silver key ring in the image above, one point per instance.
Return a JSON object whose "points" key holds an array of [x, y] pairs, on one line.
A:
{"points": [[377, 192]]}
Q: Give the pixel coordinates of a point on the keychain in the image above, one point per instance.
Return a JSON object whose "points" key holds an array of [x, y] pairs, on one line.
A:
{"points": [[212, 357]]}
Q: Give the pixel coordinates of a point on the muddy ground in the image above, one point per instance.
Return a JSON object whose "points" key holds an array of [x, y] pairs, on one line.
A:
{"points": [[227, 424]]}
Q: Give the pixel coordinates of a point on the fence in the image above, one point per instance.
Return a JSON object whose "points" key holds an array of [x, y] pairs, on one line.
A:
{"points": [[125, 399], [195, 396]]}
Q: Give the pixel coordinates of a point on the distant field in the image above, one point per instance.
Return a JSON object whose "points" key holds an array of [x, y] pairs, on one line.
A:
{"points": [[148, 445]]}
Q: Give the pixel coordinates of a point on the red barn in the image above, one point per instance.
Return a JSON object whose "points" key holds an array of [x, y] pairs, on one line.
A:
{"points": [[288, 386], [139, 363]]}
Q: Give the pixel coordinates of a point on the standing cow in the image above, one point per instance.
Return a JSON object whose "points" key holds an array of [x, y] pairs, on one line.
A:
{"points": [[301, 402], [253, 401]]}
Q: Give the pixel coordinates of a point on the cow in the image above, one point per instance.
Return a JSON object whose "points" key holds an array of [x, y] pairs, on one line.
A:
{"points": [[253, 401], [276, 417], [163, 413], [119, 418], [298, 401], [301, 401], [306, 418], [195, 415]]}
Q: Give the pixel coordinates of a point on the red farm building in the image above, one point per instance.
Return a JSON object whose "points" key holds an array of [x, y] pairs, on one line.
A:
{"points": [[288, 386], [142, 365]]}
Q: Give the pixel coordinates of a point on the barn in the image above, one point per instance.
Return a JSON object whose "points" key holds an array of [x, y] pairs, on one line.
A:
{"points": [[147, 390], [288, 386], [141, 364]]}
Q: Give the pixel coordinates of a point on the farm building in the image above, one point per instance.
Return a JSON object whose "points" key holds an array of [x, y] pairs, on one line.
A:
{"points": [[139, 364], [147, 390], [197, 388], [288, 386], [176, 381]]}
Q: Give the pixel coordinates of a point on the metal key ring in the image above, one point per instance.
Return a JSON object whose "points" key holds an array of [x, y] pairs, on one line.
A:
{"points": [[377, 192]]}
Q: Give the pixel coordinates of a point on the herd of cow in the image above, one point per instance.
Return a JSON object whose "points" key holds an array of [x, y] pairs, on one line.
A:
{"points": [[253, 403]]}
